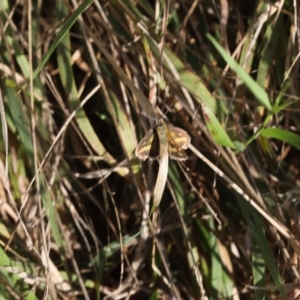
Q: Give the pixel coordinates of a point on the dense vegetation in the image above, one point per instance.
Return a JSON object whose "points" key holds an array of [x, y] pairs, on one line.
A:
{"points": [[82, 83]]}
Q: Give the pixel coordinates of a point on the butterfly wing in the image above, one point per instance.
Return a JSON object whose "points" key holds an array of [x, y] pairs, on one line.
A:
{"points": [[179, 136], [175, 152], [178, 140], [147, 147]]}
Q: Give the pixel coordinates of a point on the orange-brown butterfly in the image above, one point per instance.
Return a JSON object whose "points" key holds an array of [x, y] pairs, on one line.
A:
{"points": [[163, 139]]}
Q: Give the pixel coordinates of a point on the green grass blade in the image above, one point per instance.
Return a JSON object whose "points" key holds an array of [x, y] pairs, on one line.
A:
{"points": [[20, 120], [282, 135], [259, 93], [215, 128], [62, 32], [256, 227]]}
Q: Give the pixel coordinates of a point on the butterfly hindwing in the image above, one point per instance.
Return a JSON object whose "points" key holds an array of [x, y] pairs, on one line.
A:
{"points": [[175, 152]]}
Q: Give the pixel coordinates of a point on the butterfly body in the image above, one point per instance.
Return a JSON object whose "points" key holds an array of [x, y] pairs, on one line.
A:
{"points": [[163, 140]]}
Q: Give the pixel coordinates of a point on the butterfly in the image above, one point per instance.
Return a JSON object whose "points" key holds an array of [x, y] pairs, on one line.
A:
{"points": [[163, 139]]}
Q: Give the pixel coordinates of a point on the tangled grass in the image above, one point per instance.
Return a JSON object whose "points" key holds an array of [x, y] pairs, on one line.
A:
{"points": [[81, 84]]}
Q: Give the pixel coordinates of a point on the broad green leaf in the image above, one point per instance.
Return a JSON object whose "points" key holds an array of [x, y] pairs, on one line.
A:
{"points": [[191, 81], [215, 128], [283, 135], [19, 119], [4, 259], [122, 124]]}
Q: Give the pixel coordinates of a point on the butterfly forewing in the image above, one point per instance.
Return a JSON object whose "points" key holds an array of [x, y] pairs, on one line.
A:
{"points": [[178, 140], [148, 146], [154, 150], [179, 136]]}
